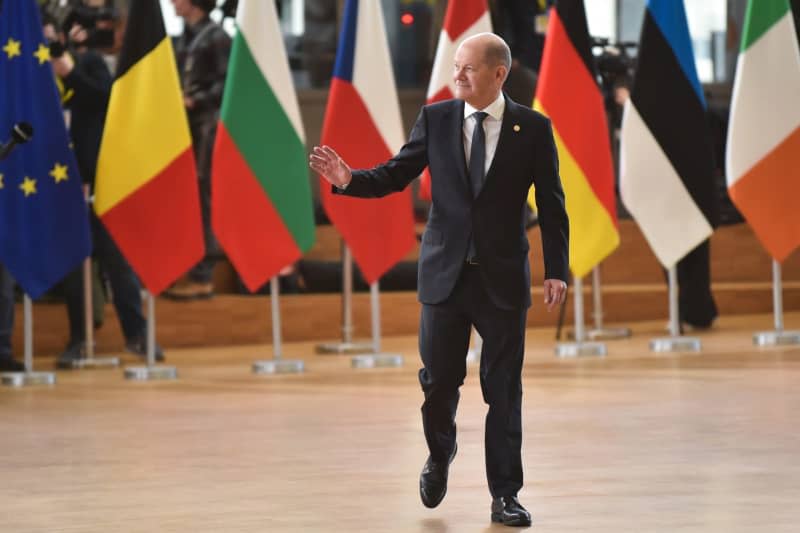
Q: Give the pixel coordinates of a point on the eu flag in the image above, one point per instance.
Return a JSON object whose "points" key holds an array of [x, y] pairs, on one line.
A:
{"points": [[44, 228]]}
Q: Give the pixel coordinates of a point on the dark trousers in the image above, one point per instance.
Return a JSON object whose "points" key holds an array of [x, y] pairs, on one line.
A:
{"points": [[203, 271], [443, 343], [204, 131], [6, 312], [125, 288], [696, 303]]}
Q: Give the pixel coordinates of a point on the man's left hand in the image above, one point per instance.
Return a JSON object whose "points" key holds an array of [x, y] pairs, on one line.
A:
{"points": [[555, 292]]}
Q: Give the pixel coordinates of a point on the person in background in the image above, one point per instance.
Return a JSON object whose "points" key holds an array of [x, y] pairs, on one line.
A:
{"points": [[202, 55], [7, 361]]}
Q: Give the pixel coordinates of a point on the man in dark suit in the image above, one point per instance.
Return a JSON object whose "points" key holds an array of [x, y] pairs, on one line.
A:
{"points": [[473, 266]]}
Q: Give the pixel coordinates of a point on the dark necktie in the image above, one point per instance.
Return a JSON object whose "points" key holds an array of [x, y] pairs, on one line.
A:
{"points": [[477, 156], [477, 162]]}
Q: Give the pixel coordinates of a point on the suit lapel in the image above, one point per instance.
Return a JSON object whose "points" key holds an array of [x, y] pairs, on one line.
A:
{"points": [[456, 127], [509, 117]]}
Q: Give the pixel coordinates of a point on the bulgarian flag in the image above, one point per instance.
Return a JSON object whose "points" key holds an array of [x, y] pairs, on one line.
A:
{"points": [[146, 184], [464, 18], [568, 94], [261, 207], [763, 151]]}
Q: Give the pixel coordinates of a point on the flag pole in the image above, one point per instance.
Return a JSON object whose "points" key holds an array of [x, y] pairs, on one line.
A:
{"points": [[88, 307], [779, 336], [580, 347], [277, 365], [151, 371], [599, 332], [675, 342], [90, 361], [777, 295], [347, 346], [376, 358], [28, 377]]}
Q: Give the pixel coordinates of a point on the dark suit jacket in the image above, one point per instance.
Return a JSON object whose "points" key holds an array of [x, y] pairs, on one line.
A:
{"points": [[91, 80], [525, 155]]}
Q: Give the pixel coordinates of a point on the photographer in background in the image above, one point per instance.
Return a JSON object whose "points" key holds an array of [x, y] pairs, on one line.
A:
{"points": [[202, 55], [91, 28], [7, 361]]}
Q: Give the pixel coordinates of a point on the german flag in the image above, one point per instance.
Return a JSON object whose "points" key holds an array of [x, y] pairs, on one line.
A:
{"points": [[146, 186], [568, 94]]}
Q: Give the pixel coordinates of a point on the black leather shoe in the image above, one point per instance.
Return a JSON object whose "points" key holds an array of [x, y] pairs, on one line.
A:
{"points": [[433, 480], [138, 347], [509, 512], [72, 354], [9, 364]]}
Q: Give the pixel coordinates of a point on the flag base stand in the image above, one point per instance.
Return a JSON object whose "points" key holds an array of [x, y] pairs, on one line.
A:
{"points": [[28, 377], [339, 348], [604, 334], [608, 334], [279, 366], [600, 333], [151, 373], [94, 362], [581, 349], [24, 379], [377, 360], [776, 338], [675, 344], [89, 360]]}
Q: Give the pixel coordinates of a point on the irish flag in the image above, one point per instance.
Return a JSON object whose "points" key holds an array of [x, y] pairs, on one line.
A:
{"points": [[568, 93], [763, 152], [261, 207], [146, 183], [463, 19]]}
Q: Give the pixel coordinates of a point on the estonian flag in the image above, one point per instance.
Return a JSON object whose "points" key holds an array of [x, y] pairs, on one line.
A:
{"points": [[666, 157]]}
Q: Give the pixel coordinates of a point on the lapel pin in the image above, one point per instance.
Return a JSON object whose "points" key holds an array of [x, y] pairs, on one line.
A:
{"points": [[516, 127]]}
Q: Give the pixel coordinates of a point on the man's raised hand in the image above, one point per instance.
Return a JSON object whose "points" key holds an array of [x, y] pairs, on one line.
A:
{"points": [[327, 163]]}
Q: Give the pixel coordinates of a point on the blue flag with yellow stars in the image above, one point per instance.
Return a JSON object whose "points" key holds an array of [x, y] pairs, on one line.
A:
{"points": [[44, 227]]}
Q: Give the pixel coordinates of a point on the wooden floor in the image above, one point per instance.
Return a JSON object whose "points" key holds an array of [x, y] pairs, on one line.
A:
{"points": [[633, 442]]}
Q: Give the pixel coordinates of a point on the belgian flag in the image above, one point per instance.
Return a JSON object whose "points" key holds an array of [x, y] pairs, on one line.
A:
{"points": [[146, 185], [567, 93]]}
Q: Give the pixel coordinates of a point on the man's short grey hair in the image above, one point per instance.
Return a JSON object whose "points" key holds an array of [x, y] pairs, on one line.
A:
{"points": [[498, 53]]}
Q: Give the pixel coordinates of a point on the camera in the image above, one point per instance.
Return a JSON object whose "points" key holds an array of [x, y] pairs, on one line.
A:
{"points": [[228, 8], [615, 67], [88, 18], [614, 62], [57, 49]]}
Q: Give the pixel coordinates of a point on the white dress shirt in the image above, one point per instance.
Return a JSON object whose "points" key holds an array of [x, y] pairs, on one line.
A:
{"points": [[491, 127]]}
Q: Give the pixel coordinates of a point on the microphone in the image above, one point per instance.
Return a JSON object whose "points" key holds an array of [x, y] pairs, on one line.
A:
{"points": [[20, 134]]}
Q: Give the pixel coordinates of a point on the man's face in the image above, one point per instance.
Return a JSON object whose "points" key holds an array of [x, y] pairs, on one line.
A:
{"points": [[182, 7], [477, 83]]}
